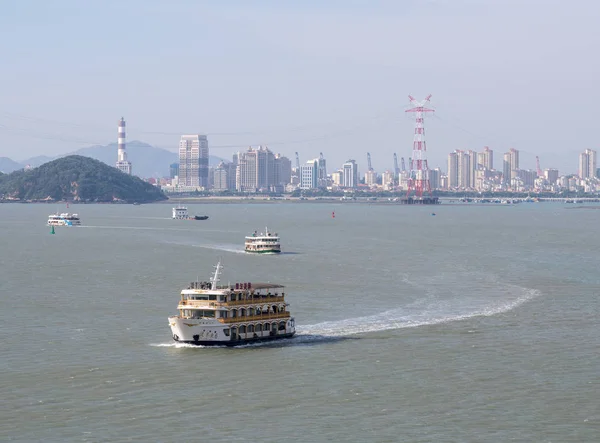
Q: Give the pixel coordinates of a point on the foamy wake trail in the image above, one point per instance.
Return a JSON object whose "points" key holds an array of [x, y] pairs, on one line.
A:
{"points": [[406, 317], [227, 248]]}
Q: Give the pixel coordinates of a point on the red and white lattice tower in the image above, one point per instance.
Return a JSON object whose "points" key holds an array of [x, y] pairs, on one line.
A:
{"points": [[419, 172]]}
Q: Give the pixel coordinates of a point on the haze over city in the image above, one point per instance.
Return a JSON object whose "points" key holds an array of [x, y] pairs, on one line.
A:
{"points": [[309, 76]]}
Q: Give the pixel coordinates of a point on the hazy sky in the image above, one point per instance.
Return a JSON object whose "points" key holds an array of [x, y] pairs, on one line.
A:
{"points": [[305, 75]]}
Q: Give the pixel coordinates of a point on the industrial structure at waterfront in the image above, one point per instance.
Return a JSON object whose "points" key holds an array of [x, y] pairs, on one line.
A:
{"points": [[123, 164]]}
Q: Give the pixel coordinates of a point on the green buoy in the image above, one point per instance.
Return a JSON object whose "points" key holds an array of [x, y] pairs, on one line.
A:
{"points": [[52, 229]]}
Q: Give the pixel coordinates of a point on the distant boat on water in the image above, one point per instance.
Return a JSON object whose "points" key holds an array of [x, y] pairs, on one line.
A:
{"points": [[181, 213]]}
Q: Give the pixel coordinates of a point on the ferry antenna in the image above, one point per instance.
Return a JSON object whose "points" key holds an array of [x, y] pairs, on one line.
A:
{"points": [[215, 278]]}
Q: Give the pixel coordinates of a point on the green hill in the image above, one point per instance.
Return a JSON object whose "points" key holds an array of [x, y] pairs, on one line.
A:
{"points": [[77, 178]]}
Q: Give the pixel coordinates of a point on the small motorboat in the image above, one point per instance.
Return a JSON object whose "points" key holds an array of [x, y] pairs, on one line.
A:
{"points": [[200, 217]]}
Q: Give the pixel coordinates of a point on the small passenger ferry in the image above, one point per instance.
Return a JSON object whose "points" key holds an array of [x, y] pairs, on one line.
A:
{"points": [[180, 213], [64, 219], [232, 314], [263, 243]]}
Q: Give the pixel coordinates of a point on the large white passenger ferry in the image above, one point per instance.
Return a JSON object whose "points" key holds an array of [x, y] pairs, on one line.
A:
{"points": [[64, 219], [231, 315], [263, 243]]}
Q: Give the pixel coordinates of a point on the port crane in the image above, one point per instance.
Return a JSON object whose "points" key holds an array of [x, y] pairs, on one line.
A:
{"points": [[396, 169]]}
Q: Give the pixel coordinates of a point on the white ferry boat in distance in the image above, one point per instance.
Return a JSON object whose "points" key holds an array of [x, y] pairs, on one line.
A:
{"points": [[180, 213], [263, 243], [64, 219], [231, 315]]}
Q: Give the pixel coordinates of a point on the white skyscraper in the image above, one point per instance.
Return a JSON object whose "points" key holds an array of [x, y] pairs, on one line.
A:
{"points": [[193, 161], [309, 174], [122, 163], [587, 164], [350, 174]]}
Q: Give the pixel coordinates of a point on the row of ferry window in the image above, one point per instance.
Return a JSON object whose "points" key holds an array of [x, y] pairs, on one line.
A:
{"points": [[199, 313], [258, 328], [233, 297]]}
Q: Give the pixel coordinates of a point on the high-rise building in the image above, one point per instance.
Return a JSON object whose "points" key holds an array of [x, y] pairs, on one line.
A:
{"points": [[465, 169], [510, 166], [220, 182], [174, 170], [282, 171], [587, 164], [122, 163], [434, 178], [453, 170], [472, 167], [370, 178], [350, 174], [551, 175], [461, 169], [485, 159], [321, 172], [337, 177], [387, 179], [193, 161], [309, 175], [255, 170]]}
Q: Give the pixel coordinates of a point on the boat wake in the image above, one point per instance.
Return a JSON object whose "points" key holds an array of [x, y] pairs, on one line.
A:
{"points": [[421, 313], [404, 318], [223, 247]]}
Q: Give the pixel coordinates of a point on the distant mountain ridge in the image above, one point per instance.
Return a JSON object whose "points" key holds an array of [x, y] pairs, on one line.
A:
{"points": [[147, 160], [7, 165]]}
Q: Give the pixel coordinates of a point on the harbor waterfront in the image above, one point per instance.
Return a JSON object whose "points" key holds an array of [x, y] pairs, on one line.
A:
{"points": [[479, 324]]}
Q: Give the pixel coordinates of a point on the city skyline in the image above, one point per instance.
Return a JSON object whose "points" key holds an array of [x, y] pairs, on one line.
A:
{"points": [[328, 91]]}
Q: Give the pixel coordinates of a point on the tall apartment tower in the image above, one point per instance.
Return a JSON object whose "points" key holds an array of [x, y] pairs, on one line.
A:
{"points": [[322, 172], [587, 164], [122, 163], [282, 171], [350, 174], [485, 159], [193, 161], [510, 165], [255, 170], [453, 170], [461, 169], [465, 169]]}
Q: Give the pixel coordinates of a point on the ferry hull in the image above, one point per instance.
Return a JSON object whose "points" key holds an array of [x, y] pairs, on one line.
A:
{"points": [[209, 332], [272, 251], [231, 343]]}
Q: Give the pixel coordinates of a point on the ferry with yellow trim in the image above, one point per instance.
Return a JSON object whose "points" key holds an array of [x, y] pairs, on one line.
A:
{"points": [[231, 315]]}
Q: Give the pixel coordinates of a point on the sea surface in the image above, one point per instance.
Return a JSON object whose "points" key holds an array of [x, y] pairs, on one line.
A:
{"points": [[476, 324]]}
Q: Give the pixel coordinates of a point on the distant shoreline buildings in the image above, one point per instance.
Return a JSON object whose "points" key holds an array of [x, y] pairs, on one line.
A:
{"points": [[259, 170]]}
